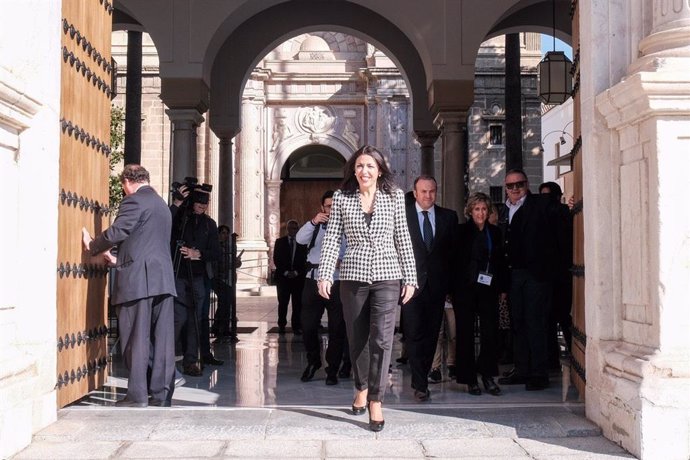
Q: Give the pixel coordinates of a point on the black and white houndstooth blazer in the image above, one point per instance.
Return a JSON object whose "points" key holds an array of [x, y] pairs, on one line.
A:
{"points": [[379, 252]]}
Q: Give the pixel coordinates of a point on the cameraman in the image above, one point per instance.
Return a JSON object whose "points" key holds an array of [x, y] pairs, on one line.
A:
{"points": [[194, 242]]}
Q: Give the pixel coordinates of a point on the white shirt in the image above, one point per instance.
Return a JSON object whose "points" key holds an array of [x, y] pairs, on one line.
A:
{"points": [[304, 237], [512, 208], [420, 218]]}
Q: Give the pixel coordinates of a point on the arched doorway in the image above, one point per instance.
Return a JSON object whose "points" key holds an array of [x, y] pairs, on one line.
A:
{"points": [[308, 172]]}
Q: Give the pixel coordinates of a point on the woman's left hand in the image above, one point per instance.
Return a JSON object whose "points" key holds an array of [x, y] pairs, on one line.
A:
{"points": [[407, 293]]}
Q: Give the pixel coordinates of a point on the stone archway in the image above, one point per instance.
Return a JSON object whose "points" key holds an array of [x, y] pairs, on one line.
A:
{"points": [[233, 64]]}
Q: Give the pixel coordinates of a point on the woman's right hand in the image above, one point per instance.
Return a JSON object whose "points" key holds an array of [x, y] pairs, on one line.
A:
{"points": [[325, 289], [407, 293]]}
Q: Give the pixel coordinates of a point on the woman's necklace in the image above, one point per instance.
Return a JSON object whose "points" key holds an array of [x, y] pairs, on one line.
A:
{"points": [[367, 201]]}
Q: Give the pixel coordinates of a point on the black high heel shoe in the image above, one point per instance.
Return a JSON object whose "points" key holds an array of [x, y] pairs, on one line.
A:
{"points": [[375, 425], [358, 410], [490, 386]]}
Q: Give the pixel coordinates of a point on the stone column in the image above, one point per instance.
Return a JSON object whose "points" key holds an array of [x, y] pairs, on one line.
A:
{"points": [[426, 140], [250, 195], [513, 103], [183, 149], [451, 124], [133, 99], [226, 177], [638, 346]]}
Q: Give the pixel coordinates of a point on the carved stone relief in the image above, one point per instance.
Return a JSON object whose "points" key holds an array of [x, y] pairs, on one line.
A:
{"points": [[350, 129]]}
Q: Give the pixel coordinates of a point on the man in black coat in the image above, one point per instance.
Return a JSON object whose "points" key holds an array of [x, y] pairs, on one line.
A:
{"points": [[529, 222], [562, 294], [432, 229], [290, 259], [143, 288]]}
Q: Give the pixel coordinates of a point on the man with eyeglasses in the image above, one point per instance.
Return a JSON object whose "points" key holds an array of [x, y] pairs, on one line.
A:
{"points": [[528, 223]]}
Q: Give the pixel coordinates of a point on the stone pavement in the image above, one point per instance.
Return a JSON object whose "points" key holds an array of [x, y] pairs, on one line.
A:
{"points": [[255, 406], [322, 433]]}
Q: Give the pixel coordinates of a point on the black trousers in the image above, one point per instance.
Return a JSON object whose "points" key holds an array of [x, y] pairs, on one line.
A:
{"points": [[369, 311], [313, 306], [189, 302], [476, 300], [530, 302], [561, 305], [290, 288], [147, 339], [423, 316]]}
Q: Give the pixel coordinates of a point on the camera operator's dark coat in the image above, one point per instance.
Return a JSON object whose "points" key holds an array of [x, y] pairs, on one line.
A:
{"points": [[200, 232]]}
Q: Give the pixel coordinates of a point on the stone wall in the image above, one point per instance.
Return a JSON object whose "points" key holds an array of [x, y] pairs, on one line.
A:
{"points": [[635, 120], [29, 166]]}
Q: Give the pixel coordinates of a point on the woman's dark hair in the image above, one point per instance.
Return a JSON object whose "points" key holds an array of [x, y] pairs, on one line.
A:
{"points": [[223, 227], [385, 180], [554, 190]]}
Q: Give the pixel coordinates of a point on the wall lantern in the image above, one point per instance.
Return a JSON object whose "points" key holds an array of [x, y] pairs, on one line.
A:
{"points": [[555, 80]]}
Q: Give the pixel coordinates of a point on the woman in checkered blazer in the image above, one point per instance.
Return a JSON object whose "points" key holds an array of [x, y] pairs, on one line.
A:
{"points": [[369, 211]]}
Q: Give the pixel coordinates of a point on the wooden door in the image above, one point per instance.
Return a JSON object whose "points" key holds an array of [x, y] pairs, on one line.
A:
{"points": [[83, 198], [301, 199], [579, 345]]}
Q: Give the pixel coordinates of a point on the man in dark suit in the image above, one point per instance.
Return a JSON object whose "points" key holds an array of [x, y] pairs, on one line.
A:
{"points": [[143, 288], [528, 222], [431, 230], [290, 260]]}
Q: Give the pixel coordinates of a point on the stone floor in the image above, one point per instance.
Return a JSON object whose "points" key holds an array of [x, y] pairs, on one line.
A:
{"points": [[255, 406]]}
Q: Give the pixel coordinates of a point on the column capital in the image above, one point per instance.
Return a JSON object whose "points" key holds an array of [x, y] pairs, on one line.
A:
{"points": [[427, 137], [451, 94], [225, 136], [181, 93], [450, 120], [180, 116]]}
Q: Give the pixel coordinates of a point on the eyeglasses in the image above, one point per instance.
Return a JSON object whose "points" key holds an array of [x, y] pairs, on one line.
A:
{"points": [[515, 185]]}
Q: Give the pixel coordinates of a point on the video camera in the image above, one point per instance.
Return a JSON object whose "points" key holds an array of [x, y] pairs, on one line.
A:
{"points": [[192, 184]]}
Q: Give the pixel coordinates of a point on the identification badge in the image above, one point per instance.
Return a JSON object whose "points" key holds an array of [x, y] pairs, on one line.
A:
{"points": [[484, 278]]}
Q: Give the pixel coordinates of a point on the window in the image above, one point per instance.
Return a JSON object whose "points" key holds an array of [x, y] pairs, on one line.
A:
{"points": [[496, 135]]}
